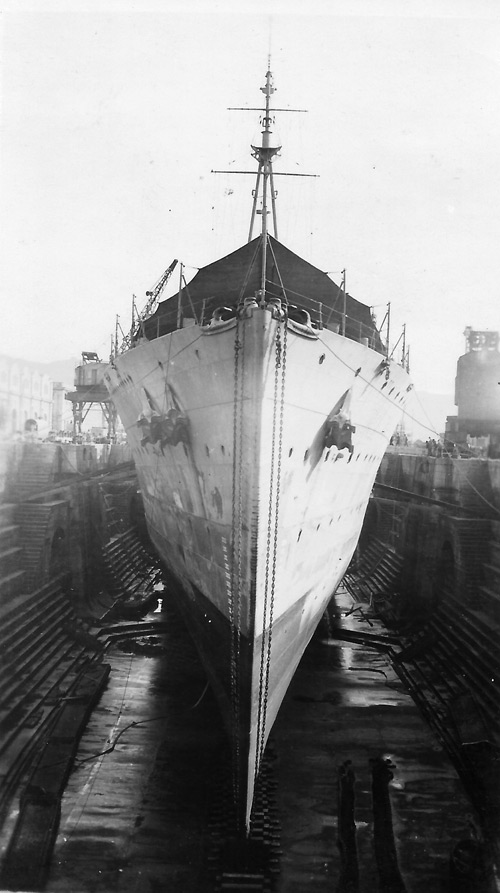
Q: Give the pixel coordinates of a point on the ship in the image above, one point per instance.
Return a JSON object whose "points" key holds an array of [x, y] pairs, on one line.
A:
{"points": [[258, 401]]}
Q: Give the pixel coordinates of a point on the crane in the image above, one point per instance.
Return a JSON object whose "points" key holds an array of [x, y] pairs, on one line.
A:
{"points": [[129, 339], [154, 295]]}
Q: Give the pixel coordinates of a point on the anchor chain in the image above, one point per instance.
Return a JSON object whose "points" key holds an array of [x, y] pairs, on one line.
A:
{"points": [[234, 594], [272, 539]]}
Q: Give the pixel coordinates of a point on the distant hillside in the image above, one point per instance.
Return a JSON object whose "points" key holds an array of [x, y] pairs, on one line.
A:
{"points": [[429, 411], [61, 370]]}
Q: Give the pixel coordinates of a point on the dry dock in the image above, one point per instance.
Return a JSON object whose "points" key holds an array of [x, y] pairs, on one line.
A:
{"points": [[362, 795], [114, 766]]}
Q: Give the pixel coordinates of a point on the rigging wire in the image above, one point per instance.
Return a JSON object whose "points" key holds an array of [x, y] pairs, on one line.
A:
{"points": [[461, 471], [408, 415]]}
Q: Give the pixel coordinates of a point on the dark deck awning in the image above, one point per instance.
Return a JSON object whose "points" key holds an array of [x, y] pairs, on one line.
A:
{"points": [[238, 275]]}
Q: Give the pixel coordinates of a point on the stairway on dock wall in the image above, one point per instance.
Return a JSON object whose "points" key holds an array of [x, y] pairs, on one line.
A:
{"points": [[128, 570], [454, 644], [33, 637], [471, 539], [27, 522], [12, 572], [117, 498], [127, 565], [36, 520], [466, 623], [26, 531], [450, 654], [36, 470], [43, 649], [385, 520], [376, 577]]}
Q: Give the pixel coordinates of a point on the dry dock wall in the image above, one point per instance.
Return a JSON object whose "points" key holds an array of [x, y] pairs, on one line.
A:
{"points": [[60, 504], [442, 517]]}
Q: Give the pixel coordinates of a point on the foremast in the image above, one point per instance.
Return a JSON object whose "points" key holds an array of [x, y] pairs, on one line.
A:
{"points": [[264, 186], [264, 155]]}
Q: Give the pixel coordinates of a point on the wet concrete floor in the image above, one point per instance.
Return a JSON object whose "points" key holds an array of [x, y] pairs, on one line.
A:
{"points": [[136, 808]]}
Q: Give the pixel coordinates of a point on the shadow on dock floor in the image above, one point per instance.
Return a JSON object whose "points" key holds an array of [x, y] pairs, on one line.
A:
{"points": [[135, 815]]}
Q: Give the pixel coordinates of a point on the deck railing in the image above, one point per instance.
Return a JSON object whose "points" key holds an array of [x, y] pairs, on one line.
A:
{"points": [[199, 312]]}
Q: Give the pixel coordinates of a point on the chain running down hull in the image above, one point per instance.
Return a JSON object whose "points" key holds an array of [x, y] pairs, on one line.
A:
{"points": [[254, 505]]}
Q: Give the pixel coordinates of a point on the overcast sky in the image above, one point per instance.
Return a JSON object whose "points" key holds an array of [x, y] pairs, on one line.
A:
{"points": [[115, 113]]}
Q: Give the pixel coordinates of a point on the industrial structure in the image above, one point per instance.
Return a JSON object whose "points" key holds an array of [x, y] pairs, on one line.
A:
{"points": [[477, 392], [90, 390]]}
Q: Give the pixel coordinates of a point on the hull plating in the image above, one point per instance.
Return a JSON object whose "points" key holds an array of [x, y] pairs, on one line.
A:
{"points": [[251, 501]]}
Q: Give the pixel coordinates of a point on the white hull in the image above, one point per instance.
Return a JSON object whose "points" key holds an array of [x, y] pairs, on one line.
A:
{"points": [[250, 510]]}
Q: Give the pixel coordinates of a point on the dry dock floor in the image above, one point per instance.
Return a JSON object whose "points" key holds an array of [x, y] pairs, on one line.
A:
{"points": [[135, 811]]}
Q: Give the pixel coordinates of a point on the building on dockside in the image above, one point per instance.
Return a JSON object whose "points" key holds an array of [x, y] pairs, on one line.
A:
{"points": [[26, 396]]}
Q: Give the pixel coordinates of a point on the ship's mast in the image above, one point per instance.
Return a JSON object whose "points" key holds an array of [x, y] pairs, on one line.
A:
{"points": [[264, 155], [264, 185]]}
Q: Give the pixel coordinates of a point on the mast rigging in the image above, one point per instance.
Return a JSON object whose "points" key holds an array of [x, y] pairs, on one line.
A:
{"points": [[264, 183]]}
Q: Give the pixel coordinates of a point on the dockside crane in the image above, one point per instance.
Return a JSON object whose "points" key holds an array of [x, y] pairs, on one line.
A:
{"points": [[138, 319], [154, 295]]}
